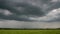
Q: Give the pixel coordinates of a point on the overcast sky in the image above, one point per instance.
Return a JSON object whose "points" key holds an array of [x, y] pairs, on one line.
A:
{"points": [[29, 13]]}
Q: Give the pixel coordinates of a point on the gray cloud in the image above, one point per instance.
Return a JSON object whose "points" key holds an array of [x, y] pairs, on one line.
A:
{"points": [[23, 10], [22, 24], [29, 13], [18, 9], [52, 16]]}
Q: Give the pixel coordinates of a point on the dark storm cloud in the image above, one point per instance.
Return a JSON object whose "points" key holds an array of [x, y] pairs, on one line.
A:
{"points": [[13, 7], [54, 6], [29, 13], [27, 8]]}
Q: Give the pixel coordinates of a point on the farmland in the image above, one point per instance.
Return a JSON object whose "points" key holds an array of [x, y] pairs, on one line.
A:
{"points": [[29, 31]]}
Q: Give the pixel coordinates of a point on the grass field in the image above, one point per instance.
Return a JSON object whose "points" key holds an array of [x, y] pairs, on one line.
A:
{"points": [[29, 31]]}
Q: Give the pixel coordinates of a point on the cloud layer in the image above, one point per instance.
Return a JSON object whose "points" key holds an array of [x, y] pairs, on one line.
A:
{"points": [[22, 10], [22, 24], [33, 13], [53, 15], [19, 8]]}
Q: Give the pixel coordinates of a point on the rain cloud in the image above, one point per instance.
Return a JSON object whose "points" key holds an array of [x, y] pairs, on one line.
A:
{"points": [[30, 11]]}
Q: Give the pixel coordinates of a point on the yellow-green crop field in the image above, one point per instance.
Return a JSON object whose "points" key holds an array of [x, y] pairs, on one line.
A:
{"points": [[29, 31]]}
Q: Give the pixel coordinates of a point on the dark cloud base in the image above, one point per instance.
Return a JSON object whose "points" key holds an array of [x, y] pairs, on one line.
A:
{"points": [[26, 9]]}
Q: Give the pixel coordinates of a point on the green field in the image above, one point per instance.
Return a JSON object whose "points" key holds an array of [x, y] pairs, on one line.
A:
{"points": [[29, 31]]}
